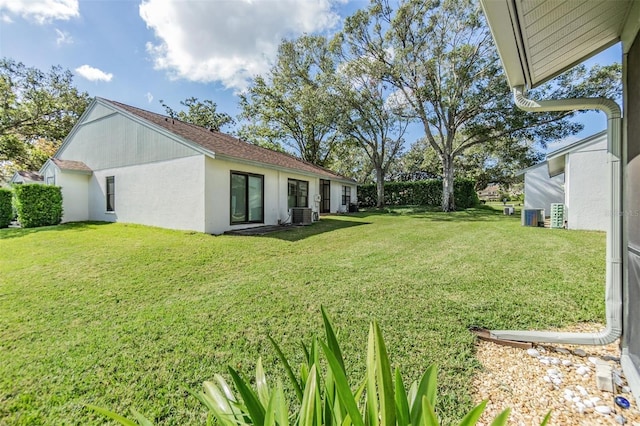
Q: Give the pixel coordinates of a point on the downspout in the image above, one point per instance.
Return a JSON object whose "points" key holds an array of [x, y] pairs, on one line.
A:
{"points": [[613, 284]]}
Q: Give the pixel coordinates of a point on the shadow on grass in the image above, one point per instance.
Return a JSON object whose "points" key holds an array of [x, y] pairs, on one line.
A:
{"points": [[7, 233], [326, 224], [476, 214]]}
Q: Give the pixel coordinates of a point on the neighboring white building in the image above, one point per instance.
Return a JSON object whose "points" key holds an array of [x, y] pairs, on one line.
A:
{"points": [[541, 190], [124, 164], [584, 165], [576, 176], [22, 176]]}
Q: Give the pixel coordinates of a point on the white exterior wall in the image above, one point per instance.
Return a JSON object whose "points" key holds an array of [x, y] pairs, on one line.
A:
{"points": [[217, 194], [586, 190], [168, 194], [75, 195], [540, 191]]}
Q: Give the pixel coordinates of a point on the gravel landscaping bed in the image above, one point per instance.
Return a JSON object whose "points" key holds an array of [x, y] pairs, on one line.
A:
{"points": [[560, 378]]}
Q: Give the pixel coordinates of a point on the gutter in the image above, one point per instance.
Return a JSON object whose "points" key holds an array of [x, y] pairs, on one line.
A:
{"points": [[613, 283]]}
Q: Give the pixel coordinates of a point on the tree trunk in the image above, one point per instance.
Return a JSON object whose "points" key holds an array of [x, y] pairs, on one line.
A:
{"points": [[380, 186], [448, 200]]}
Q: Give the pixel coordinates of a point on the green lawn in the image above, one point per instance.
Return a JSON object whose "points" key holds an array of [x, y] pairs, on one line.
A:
{"points": [[128, 316]]}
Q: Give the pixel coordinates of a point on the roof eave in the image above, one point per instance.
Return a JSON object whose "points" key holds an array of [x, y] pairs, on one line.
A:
{"points": [[504, 25]]}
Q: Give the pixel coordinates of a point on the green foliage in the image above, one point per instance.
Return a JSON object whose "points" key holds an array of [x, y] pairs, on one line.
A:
{"points": [[448, 75], [325, 399], [38, 205], [36, 106], [201, 113], [295, 103], [6, 207], [419, 193]]}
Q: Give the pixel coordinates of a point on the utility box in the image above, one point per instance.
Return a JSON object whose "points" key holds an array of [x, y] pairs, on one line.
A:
{"points": [[557, 215], [301, 216], [532, 217]]}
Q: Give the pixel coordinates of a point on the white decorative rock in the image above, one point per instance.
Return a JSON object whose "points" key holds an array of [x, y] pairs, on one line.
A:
{"points": [[580, 352], [557, 381], [582, 390], [603, 409], [580, 407], [593, 359], [626, 389], [620, 419], [594, 399], [569, 398], [566, 363], [587, 403], [545, 361], [552, 372], [547, 379], [533, 352], [554, 361], [582, 371]]}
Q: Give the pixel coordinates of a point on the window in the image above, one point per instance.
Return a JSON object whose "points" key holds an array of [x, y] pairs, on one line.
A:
{"points": [[247, 198], [111, 193], [346, 195], [298, 193]]}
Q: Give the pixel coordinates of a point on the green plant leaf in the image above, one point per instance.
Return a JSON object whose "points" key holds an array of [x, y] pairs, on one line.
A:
{"points": [[427, 388], [342, 387], [281, 408], [292, 377], [114, 416], [385, 382], [402, 405], [262, 387], [428, 415], [142, 420], [372, 415], [255, 410], [332, 341], [307, 407], [472, 416], [502, 418], [546, 419]]}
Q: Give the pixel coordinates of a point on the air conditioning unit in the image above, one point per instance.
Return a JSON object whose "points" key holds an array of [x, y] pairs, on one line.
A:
{"points": [[301, 216]]}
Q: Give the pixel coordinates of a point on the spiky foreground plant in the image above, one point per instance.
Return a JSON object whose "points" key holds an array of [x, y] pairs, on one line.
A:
{"points": [[381, 398]]}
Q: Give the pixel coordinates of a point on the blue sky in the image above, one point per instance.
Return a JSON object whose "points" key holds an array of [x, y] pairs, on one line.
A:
{"points": [[140, 51]]}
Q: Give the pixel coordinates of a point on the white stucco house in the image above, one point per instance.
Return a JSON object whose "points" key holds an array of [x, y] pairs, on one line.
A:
{"points": [[124, 164], [576, 176]]}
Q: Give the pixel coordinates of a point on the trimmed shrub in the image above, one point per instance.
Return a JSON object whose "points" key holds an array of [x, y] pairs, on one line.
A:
{"points": [[421, 193], [38, 205], [6, 209]]}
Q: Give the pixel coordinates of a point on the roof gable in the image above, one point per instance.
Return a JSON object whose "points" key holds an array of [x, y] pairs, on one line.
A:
{"points": [[221, 145]]}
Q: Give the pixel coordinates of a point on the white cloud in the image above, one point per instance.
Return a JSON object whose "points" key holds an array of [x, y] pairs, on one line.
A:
{"points": [[40, 11], [228, 41], [93, 74], [63, 37], [149, 97], [6, 19]]}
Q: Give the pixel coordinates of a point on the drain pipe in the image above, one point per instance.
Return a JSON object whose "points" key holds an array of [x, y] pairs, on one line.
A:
{"points": [[613, 285]]}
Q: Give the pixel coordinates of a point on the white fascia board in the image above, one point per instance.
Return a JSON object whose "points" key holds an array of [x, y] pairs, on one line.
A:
{"points": [[578, 145], [504, 26], [528, 169]]}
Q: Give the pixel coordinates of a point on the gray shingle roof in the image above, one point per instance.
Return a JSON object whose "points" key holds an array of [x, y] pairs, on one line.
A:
{"points": [[77, 166]]}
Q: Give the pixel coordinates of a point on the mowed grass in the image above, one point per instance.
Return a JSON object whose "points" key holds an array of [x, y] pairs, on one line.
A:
{"points": [[126, 316]]}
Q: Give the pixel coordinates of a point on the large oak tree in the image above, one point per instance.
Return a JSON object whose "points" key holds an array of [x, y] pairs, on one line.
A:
{"points": [[440, 57]]}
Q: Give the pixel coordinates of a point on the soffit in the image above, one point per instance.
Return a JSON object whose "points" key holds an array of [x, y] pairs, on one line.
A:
{"points": [[539, 39]]}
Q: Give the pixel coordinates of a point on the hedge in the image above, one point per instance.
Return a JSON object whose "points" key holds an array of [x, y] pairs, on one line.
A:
{"points": [[38, 205], [6, 210], [422, 192]]}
